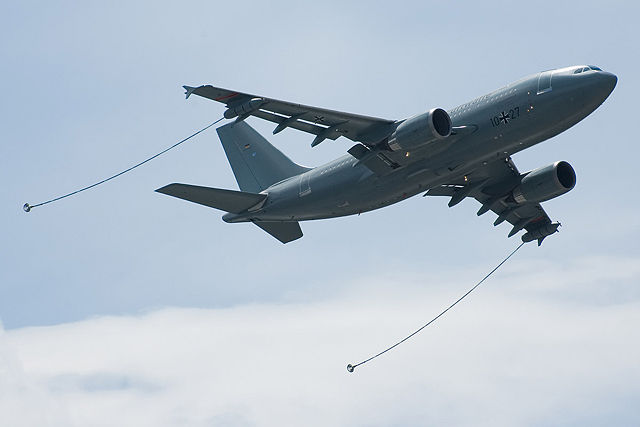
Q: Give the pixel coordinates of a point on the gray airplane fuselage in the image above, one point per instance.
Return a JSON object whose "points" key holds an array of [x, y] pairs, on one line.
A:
{"points": [[506, 121]]}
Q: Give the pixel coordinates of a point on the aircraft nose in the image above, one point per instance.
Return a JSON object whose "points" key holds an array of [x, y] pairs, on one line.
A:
{"points": [[595, 86], [608, 81], [604, 84]]}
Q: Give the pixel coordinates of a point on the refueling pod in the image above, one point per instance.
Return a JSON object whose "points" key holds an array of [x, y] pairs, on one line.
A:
{"points": [[541, 232], [243, 109], [421, 130]]}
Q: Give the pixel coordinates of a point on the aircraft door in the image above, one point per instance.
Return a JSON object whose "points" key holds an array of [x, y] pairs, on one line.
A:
{"points": [[544, 82], [305, 187]]}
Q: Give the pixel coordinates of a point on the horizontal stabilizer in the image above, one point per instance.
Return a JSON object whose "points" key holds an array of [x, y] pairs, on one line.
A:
{"points": [[225, 200], [283, 231]]}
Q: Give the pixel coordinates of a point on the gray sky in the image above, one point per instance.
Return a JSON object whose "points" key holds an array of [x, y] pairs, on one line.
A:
{"points": [[91, 88]]}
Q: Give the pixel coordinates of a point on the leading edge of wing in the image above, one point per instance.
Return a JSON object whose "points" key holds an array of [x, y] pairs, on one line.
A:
{"points": [[226, 96]]}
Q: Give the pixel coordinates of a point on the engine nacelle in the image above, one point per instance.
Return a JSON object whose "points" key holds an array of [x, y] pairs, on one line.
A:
{"points": [[421, 130], [545, 183]]}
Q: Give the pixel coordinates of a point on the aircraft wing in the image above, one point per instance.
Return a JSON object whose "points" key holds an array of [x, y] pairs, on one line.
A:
{"points": [[492, 185], [323, 123]]}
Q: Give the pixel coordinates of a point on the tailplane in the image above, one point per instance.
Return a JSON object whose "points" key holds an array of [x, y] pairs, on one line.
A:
{"points": [[225, 200], [255, 162], [235, 202]]}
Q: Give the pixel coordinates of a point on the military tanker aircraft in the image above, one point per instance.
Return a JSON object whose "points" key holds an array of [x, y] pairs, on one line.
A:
{"points": [[463, 152]]}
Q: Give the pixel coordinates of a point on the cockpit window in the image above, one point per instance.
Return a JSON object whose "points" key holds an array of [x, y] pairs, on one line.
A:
{"points": [[585, 69]]}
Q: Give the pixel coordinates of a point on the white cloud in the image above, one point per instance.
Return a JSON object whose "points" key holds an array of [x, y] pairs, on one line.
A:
{"points": [[511, 354]]}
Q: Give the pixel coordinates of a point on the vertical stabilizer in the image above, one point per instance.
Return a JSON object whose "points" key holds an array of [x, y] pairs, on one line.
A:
{"points": [[255, 162]]}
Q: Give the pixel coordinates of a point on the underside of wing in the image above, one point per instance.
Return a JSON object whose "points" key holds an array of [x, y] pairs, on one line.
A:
{"points": [[497, 187], [323, 123]]}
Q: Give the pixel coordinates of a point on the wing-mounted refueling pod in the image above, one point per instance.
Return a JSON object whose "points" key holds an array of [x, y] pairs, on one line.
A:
{"points": [[541, 232], [242, 110]]}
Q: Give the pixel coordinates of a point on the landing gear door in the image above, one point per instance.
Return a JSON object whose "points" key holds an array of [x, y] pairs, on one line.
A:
{"points": [[544, 82]]}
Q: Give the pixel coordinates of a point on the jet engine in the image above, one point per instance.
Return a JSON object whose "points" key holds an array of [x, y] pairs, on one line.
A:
{"points": [[421, 130], [545, 183]]}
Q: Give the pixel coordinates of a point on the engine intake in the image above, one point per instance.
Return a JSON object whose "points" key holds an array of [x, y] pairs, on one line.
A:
{"points": [[545, 183], [421, 130]]}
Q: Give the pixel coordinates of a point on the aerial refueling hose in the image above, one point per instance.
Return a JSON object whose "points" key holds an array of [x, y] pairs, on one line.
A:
{"points": [[351, 367], [27, 207]]}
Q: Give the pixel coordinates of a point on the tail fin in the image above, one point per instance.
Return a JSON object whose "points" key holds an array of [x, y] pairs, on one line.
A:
{"points": [[255, 162], [225, 200]]}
